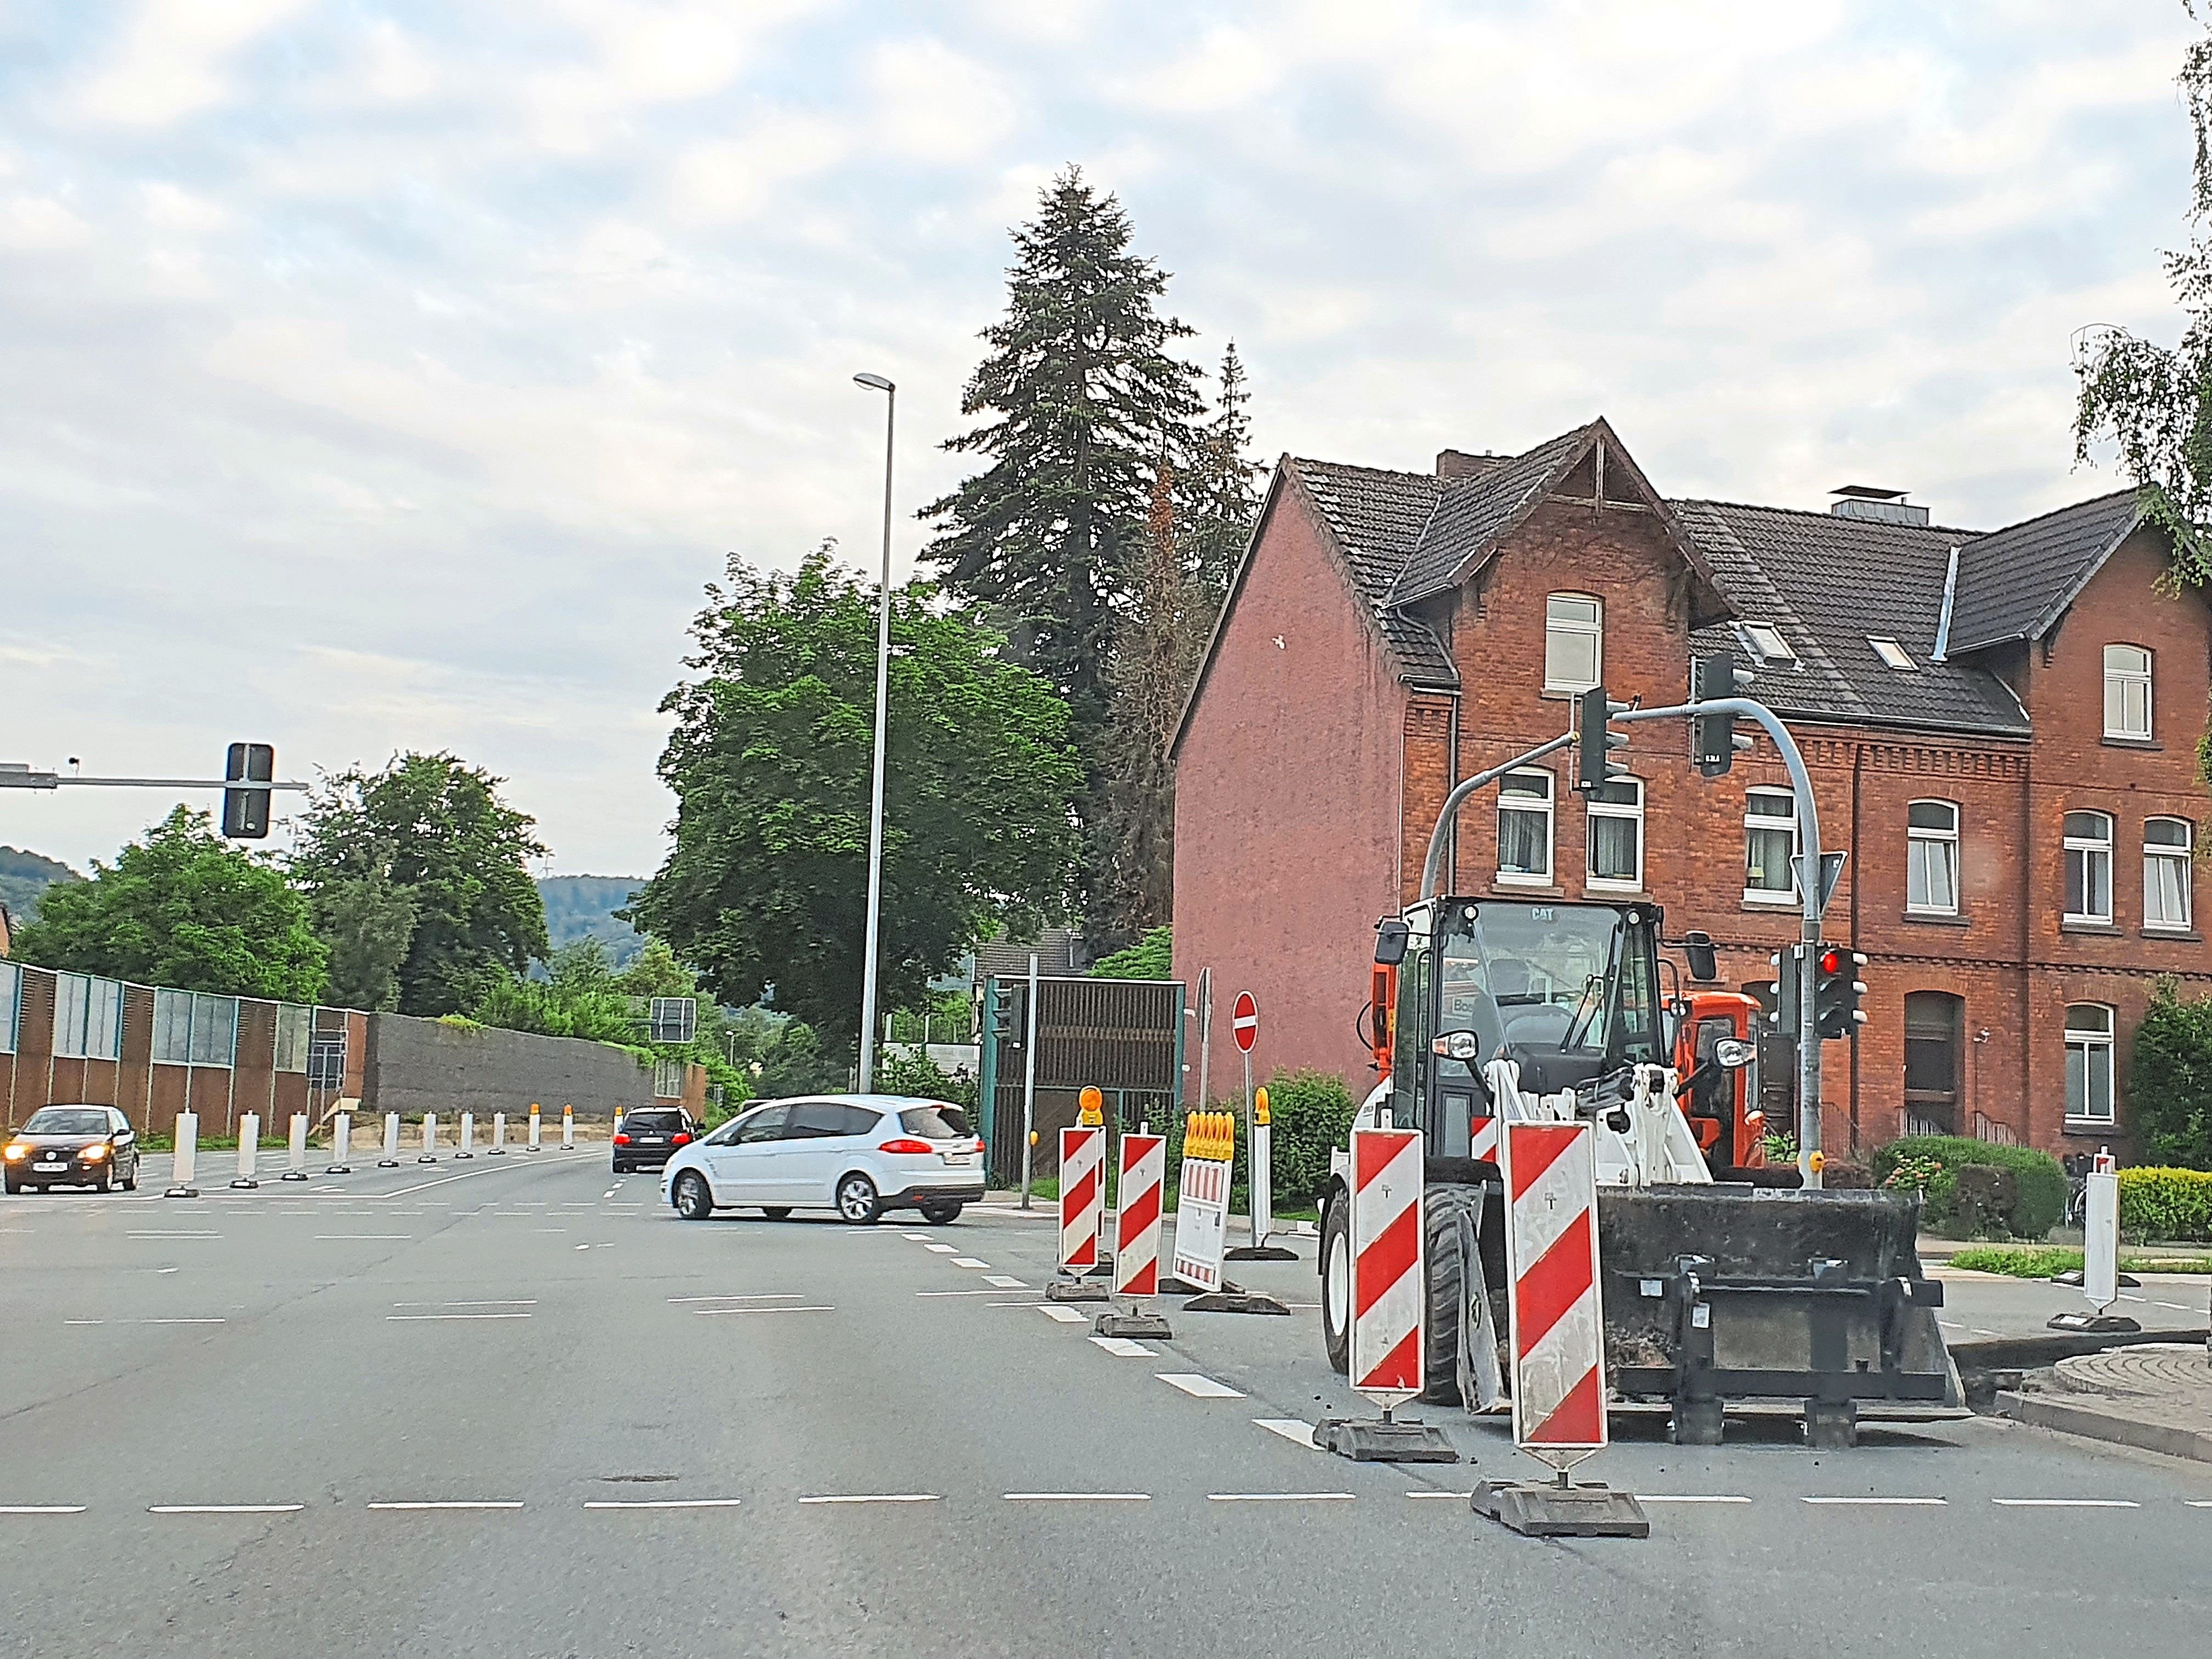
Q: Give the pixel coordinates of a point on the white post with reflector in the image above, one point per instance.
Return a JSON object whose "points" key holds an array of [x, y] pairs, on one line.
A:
{"points": [[341, 1145], [296, 1164], [498, 1148], [468, 1135], [536, 1125], [249, 1148], [1388, 1303], [390, 1158], [1556, 1337], [429, 1139], [568, 1129], [2101, 1252], [185, 1161]]}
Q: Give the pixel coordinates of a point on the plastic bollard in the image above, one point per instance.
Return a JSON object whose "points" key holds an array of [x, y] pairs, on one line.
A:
{"points": [[186, 1157], [468, 1135], [498, 1135], [429, 1139], [249, 1148], [568, 1129], [390, 1158], [295, 1160], [536, 1127], [341, 1145]]}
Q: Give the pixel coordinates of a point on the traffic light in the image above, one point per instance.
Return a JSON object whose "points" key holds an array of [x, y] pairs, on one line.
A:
{"points": [[1595, 740], [1713, 740], [1836, 990], [1010, 1022], [246, 811], [1782, 1018]]}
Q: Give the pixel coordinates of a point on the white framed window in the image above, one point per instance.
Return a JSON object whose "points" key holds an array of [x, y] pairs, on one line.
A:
{"points": [[11, 1004], [668, 1079], [2088, 845], [1931, 858], [1524, 827], [2168, 901], [2127, 692], [1615, 817], [1764, 642], [1889, 651], [2088, 1063], [192, 1028], [1574, 642], [87, 1017], [1770, 846]]}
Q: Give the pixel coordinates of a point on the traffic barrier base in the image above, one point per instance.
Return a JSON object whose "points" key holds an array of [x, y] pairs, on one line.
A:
{"points": [[1233, 1297], [1135, 1322], [1558, 1509], [1385, 1440], [1076, 1290]]}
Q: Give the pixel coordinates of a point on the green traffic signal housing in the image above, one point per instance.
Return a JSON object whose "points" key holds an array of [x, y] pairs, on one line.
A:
{"points": [[1836, 990], [1713, 740], [1594, 737]]}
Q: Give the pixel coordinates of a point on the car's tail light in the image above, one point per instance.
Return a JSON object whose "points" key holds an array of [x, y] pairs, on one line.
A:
{"points": [[679, 1141], [907, 1147], [622, 1140]]}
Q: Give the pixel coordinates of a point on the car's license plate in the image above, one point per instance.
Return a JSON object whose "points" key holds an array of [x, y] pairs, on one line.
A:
{"points": [[50, 1169], [960, 1158], [648, 1140]]}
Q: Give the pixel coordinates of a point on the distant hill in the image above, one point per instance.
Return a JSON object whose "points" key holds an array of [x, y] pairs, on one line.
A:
{"points": [[583, 907], [24, 876]]}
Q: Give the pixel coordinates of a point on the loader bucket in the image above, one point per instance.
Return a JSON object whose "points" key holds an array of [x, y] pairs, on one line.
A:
{"points": [[1727, 1292]]}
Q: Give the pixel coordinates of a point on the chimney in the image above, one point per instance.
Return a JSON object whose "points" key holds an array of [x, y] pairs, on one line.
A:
{"points": [[1865, 502], [1464, 464]]}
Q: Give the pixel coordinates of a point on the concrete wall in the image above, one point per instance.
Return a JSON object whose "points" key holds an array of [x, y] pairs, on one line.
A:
{"points": [[417, 1065]]}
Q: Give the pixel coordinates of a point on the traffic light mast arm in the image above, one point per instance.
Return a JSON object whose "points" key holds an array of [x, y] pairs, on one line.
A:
{"points": [[1433, 866], [13, 778]]}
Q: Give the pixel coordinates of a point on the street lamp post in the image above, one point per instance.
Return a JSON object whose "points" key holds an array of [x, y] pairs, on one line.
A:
{"points": [[877, 383]]}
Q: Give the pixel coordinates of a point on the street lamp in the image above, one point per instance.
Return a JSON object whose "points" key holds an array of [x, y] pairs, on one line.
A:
{"points": [[877, 383]]}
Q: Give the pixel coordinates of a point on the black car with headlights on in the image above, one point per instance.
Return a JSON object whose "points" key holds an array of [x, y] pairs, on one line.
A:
{"points": [[73, 1147]]}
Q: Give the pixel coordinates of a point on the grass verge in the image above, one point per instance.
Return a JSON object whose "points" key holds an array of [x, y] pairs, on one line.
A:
{"points": [[2042, 1261]]}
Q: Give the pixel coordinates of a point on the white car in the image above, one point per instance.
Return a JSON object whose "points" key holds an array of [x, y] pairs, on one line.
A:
{"points": [[859, 1155]]}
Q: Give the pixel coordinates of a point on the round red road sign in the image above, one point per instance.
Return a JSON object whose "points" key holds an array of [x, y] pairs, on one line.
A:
{"points": [[1244, 1020]]}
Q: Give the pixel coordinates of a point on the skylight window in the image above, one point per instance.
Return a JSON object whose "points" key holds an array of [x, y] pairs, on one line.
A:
{"points": [[1765, 640], [1889, 651]]}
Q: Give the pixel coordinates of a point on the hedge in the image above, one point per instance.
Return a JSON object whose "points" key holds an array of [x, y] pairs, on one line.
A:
{"points": [[1934, 1161], [1310, 1113], [2165, 1204], [2169, 1096]]}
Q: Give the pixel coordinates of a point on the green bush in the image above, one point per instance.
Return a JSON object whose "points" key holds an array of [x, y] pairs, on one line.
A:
{"points": [[2169, 1095], [2165, 1204], [1930, 1163], [1309, 1112], [913, 1072]]}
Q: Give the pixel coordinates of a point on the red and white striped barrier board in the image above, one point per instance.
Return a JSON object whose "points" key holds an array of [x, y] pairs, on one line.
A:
{"points": [[1082, 1196], [1386, 1264], [1485, 1139], [1557, 1326], [1137, 1216], [1201, 1221]]}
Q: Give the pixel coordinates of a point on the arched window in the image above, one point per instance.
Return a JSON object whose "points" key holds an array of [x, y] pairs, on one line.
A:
{"points": [[1931, 858], [2088, 1063], [1574, 642], [2167, 843], [2088, 844], [2127, 692]]}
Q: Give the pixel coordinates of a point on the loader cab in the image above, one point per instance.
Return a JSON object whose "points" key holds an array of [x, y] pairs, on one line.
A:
{"points": [[1569, 991]]}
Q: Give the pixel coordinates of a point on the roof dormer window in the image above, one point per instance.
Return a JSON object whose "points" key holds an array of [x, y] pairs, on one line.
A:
{"points": [[1889, 651], [1764, 642]]}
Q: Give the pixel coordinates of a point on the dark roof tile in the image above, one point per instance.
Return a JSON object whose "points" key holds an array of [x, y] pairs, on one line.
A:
{"points": [[2014, 582]]}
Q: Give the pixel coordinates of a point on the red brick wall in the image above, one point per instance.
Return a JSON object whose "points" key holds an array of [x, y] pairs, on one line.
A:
{"points": [[1289, 808]]}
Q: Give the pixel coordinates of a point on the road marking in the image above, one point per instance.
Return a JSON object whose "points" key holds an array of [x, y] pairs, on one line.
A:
{"points": [[1079, 1497], [806, 1306], [1897, 1502], [1004, 1281], [1059, 1316], [876, 1498], [933, 1293], [1122, 1348], [452, 1503], [942, 1249], [919, 1239], [41, 1509], [968, 1261], [764, 1296], [2198, 1502], [493, 1302], [224, 1509], [1278, 1496], [2066, 1503], [663, 1503], [405, 1318], [1197, 1387], [142, 1321], [171, 1235], [1693, 1498], [1950, 1324], [341, 1238], [1978, 1331], [1297, 1430], [1462, 1496], [2173, 1307]]}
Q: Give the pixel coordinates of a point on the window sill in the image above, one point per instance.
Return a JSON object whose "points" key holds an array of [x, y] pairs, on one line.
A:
{"points": [[1937, 918], [1773, 902], [1614, 890], [2112, 741], [2182, 935], [2091, 1126], [1563, 693], [2104, 927], [1526, 885]]}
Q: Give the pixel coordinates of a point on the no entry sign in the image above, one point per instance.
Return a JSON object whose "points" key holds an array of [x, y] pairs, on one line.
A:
{"points": [[1244, 1021]]}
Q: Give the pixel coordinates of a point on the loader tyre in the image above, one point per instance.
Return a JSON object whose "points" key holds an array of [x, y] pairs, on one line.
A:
{"points": [[1443, 1243], [1336, 1283]]}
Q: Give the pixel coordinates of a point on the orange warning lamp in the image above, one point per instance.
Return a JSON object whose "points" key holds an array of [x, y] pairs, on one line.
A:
{"points": [[1090, 1103]]}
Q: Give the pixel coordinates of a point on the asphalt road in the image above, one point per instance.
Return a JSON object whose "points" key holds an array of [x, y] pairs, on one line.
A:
{"points": [[516, 1408]]}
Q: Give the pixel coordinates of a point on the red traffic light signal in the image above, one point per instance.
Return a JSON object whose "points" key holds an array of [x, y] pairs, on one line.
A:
{"points": [[1831, 961]]}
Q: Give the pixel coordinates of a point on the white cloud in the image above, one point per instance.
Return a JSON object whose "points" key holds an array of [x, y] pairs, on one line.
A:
{"points": [[172, 60], [724, 181], [38, 224], [931, 103]]}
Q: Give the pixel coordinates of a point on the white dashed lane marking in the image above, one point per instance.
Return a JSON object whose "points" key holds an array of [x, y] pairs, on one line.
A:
{"points": [[1690, 1497], [224, 1509], [1892, 1503], [662, 1504], [41, 1509], [489, 1301], [1197, 1387], [1079, 1497], [968, 1261], [2066, 1503], [362, 1238], [762, 1296], [402, 1319], [800, 1307], [1004, 1281], [1122, 1348], [942, 1249], [1279, 1497], [1462, 1496], [449, 1504], [1059, 1316], [876, 1497], [1296, 1430], [927, 1295]]}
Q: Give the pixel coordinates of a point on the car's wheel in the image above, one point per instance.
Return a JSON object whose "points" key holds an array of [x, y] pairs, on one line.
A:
{"points": [[938, 1215], [776, 1212], [694, 1202], [107, 1179], [13, 1185], [131, 1180], [857, 1200], [1336, 1285]]}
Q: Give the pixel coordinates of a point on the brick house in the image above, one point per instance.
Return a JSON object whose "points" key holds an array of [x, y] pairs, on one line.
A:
{"points": [[2001, 728]]}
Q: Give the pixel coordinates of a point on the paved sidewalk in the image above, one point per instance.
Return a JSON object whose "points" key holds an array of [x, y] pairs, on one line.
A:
{"points": [[2157, 1395]]}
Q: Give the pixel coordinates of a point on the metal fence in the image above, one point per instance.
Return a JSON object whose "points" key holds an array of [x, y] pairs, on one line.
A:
{"points": [[1120, 1037]]}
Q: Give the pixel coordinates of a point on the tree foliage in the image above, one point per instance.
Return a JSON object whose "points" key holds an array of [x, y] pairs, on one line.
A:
{"points": [[1150, 958], [367, 923], [2154, 401], [183, 908], [2169, 1093], [766, 886], [1223, 495], [433, 828]]}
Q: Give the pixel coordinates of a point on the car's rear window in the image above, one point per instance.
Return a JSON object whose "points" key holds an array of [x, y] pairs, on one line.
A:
{"points": [[936, 1122], [658, 1122], [72, 1121]]}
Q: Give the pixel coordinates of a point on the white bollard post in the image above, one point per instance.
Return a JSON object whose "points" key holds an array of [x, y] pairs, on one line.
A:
{"points": [[185, 1158], [468, 1135], [568, 1129], [296, 1162], [498, 1135], [429, 1139], [249, 1147], [341, 1145], [390, 1158], [536, 1145]]}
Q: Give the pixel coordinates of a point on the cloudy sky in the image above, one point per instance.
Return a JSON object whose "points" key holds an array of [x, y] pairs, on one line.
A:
{"points": [[387, 375]]}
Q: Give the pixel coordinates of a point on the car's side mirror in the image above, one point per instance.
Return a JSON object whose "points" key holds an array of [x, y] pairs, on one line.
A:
{"points": [[1705, 962], [1391, 934], [1734, 1054]]}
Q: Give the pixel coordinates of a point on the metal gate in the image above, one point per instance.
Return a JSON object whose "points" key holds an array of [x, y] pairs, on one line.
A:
{"points": [[1120, 1037]]}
